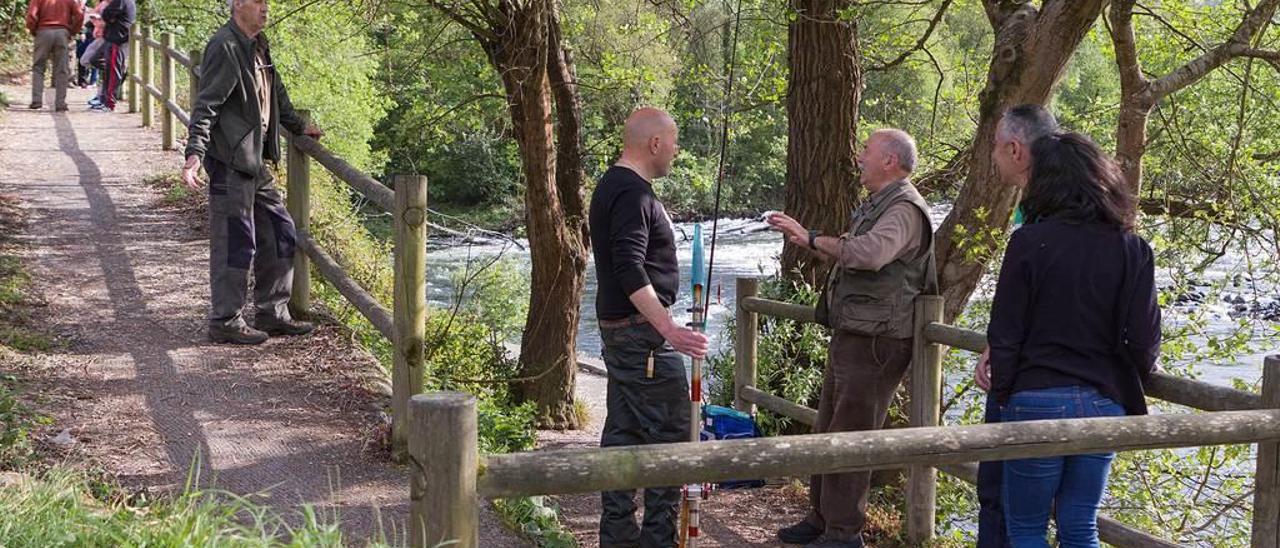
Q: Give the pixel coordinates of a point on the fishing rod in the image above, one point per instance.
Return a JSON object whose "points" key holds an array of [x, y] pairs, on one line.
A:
{"points": [[693, 494]]}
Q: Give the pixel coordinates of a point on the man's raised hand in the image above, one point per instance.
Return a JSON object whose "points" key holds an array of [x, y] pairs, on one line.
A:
{"points": [[790, 228]]}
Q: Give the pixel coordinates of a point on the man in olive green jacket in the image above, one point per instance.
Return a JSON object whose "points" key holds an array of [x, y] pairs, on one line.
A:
{"points": [[235, 128], [881, 265]]}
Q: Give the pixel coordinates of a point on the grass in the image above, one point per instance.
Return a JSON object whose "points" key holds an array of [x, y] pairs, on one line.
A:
{"points": [[62, 507]]}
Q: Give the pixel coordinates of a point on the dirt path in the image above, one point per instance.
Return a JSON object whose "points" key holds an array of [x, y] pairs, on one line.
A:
{"points": [[137, 384]]}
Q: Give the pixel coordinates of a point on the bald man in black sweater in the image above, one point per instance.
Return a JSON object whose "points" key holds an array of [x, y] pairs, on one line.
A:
{"points": [[638, 276]]}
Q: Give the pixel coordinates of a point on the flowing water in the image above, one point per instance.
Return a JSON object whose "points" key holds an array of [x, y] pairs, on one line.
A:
{"points": [[744, 247]]}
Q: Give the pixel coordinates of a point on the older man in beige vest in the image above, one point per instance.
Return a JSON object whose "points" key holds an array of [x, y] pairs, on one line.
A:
{"points": [[882, 263]]}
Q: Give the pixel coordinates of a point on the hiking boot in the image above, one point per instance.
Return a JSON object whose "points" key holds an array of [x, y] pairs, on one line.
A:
{"points": [[800, 533], [241, 334], [825, 542], [283, 326]]}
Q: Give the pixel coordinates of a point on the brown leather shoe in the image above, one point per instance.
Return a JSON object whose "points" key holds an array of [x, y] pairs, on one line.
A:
{"points": [[236, 335], [283, 326]]}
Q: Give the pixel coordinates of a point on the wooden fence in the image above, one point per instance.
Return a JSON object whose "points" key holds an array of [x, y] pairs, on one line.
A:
{"points": [[450, 476], [405, 324]]}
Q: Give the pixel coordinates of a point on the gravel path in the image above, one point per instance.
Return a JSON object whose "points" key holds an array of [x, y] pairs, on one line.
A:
{"points": [[137, 384]]}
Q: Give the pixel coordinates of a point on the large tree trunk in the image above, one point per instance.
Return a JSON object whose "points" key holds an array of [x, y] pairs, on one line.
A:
{"points": [[822, 113], [1032, 48], [548, 354]]}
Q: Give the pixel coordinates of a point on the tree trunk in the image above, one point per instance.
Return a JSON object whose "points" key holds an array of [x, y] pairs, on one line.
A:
{"points": [[548, 354], [822, 118], [1032, 48]]}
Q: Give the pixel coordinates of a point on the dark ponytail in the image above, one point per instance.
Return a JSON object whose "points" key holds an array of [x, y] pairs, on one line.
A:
{"points": [[1073, 180]]}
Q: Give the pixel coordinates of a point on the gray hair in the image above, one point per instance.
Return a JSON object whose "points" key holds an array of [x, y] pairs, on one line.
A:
{"points": [[900, 144], [231, 7], [1027, 122]]}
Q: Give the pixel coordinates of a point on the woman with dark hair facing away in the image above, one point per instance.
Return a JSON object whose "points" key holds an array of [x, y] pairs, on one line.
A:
{"points": [[1074, 332]]}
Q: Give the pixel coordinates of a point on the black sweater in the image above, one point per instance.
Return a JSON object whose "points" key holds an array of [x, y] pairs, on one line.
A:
{"points": [[633, 244], [1075, 305]]}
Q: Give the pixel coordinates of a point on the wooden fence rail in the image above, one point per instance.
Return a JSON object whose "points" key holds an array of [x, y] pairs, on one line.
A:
{"points": [[919, 448], [932, 335], [405, 323]]}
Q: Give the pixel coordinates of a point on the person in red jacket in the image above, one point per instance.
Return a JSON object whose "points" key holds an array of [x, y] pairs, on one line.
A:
{"points": [[52, 23]]}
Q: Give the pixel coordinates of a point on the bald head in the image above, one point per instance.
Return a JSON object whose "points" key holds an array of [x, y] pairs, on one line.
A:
{"points": [[649, 142], [644, 124], [900, 144], [889, 155]]}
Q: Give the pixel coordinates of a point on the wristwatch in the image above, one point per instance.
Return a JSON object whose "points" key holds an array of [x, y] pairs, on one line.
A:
{"points": [[813, 240]]}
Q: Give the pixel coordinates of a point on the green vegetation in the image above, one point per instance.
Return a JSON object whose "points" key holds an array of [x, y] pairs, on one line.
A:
{"points": [[59, 507]]}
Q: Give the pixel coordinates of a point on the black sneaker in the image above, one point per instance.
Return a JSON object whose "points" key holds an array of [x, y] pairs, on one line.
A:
{"points": [[35, 106], [236, 335], [800, 533], [283, 326]]}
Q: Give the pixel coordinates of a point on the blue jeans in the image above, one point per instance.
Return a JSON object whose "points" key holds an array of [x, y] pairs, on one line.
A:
{"points": [[1074, 483], [991, 529]]}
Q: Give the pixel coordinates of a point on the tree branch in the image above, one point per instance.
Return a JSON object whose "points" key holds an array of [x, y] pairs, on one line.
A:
{"points": [[933, 24], [1197, 68]]}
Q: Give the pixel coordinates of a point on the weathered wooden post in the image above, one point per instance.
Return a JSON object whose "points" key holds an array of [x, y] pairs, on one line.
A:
{"points": [[410, 309], [197, 55], [167, 90], [134, 43], [744, 368], [926, 402], [1266, 487], [298, 202], [444, 456], [145, 88]]}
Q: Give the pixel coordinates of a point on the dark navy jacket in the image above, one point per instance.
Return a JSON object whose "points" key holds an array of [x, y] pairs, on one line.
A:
{"points": [[1075, 305]]}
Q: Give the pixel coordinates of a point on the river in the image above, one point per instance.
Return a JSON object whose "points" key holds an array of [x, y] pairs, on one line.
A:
{"points": [[745, 248]]}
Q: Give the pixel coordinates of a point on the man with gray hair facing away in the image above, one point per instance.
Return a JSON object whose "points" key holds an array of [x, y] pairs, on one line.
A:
{"points": [[1020, 126], [235, 128], [882, 263]]}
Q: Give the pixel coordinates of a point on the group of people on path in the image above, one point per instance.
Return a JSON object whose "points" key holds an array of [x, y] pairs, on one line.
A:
{"points": [[1074, 328], [96, 39]]}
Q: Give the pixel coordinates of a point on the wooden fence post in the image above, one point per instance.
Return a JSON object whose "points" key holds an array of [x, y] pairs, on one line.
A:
{"points": [[134, 44], [744, 369], [444, 456], [167, 89], [197, 55], [926, 402], [144, 88], [298, 202], [1266, 487], [410, 309]]}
